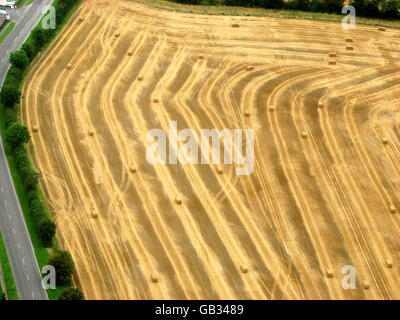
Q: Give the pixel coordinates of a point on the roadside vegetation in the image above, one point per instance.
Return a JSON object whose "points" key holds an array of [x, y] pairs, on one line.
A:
{"points": [[16, 136], [21, 3], [6, 30], [249, 8], [12, 293]]}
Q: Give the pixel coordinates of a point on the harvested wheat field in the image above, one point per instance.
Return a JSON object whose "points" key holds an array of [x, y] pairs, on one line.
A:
{"points": [[325, 188]]}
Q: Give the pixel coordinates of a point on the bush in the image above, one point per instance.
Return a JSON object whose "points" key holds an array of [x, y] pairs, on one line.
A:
{"points": [[16, 135], [62, 262], [47, 230], [29, 49], [9, 96], [71, 294], [10, 116], [19, 59], [14, 76], [390, 8], [39, 38]]}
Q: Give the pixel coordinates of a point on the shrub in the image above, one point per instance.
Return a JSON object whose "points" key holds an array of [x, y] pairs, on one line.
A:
{"points": [[47, 230], [62, 262], [19, 59], [9, 96], [390, 8], [14, 76], [29, 49], [71, 294], [16, 135], [10, 116]]}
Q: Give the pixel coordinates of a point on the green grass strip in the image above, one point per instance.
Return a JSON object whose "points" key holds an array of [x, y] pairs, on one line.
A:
{"points": [[21, 3], [6, 31]]}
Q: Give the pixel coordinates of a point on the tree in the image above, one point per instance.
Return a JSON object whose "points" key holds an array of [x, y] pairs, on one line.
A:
{"points": [[62, 262], [9, 96], [3, 296], [390, 8], [47, 230], [39, 38], [71, 294], [17, 134], [29, 49], [19, 59]]}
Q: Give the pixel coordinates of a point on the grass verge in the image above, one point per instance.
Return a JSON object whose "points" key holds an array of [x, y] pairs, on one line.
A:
{"points": [[21, 3], [6, 31], [7, 273], [261, 12], [42, 253]]}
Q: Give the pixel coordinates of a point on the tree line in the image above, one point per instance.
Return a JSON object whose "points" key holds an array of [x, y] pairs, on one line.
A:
{"points": [[17, 136], [367, 8]]}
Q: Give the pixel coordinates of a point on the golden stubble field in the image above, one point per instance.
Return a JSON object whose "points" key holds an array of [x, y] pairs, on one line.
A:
{"points": [[325, 188]]}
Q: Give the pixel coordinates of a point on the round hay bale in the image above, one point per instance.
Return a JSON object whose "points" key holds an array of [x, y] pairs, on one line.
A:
{"points": [[117, 34], [392, 209], [201, 57], [332, 63], [35, 129], [132, 169], [329, 273], [249, 68], [247, 113], [178, 199], [381, 29], [220, 171], [271, 108], [80, 19], [384, 140], [91, 133], [349, 40], [154, 279], [235, 25], [320, 104], [349, 48], [389, 263], [243, 269], [155, 100], [366, 284], [304, 134], [69, 66], [94, 215], [140, 78], [130, 53], [332, 55]]}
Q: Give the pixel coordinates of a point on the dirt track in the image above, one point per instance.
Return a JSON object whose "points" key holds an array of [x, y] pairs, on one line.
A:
{"points": [[312, 204]]}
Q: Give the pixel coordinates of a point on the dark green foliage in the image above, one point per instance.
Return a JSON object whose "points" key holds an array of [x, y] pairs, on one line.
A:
{"points": [[71, 294], [14, 77], [10, 116], [368, 8], [47, 230], [19, 59], [39, 38], [17, 134], [29, 49], [62, 262], [9, 95], [390, 9]]}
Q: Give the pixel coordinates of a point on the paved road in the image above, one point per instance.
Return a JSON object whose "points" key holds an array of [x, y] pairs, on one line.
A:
{"points": [[12, 224]]}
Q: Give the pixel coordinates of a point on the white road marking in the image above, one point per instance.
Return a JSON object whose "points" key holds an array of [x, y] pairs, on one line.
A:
{"points": [[15, 232], [19, 247], [27, 277], [5, 202]]}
